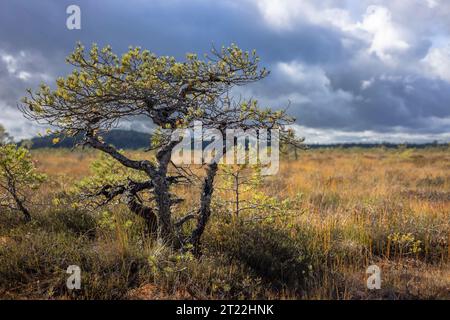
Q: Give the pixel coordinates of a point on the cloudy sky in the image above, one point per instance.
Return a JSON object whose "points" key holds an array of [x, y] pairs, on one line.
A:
{"points": [[350, 70]]}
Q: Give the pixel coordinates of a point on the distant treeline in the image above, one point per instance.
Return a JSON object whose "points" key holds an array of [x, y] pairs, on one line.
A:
{"points": [[387, 145], [128, 139], [121, 139]]}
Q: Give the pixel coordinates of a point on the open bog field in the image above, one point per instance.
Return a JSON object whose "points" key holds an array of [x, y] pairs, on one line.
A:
{"points": [[311, 232]]}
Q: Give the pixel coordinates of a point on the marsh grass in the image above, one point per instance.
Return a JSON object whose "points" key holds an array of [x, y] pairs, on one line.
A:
{"points": [[352, 208]]}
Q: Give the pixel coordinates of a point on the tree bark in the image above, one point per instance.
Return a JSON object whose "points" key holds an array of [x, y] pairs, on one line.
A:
{"points": [[166, 230], [136, 206], [132, 200], [205, 208], [163, 203], [21, 207], [158, 177]]}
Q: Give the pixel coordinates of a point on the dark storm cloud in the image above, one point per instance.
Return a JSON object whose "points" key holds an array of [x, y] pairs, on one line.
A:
{"points": [[164, 27], [326, 72]]}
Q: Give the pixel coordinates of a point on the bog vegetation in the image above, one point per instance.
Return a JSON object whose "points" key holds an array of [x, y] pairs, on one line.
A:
{"points": [[141, 227], [318, 225]]}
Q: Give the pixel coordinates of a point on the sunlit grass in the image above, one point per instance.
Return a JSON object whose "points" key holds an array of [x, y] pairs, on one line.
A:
{"points": [[354, 208]]}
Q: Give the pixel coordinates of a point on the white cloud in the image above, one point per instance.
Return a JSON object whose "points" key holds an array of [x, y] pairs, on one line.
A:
{"points": [[310, 90], [20, 69], [376, 25], [15, 123], [333, 136], [437, 63], [386, 36], [285, 14], [276, 13], [10, 62], [23, 75], [432, 3], [366, 84], [311, 84], [17, 66], [310, 76]]}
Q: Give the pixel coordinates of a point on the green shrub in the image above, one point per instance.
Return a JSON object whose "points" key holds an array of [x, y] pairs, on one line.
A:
{"points": [[76, 222], [269, 252], [34, 265], [211, 277]]}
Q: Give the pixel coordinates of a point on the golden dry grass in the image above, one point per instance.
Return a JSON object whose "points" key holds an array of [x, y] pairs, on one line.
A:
{"points": [[354, 208]]}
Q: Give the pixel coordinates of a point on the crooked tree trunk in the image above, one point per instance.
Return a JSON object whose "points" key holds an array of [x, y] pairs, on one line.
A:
{"points": [[21, 207], [166, 230], [146, 213], [162, 198], [133, 201], [13, 191], [160, 185], [159, 182], [205, 208]]}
